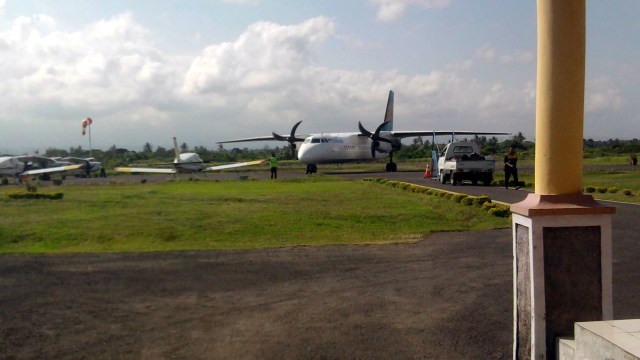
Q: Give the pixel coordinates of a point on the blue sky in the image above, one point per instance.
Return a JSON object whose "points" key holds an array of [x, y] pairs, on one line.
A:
{"points": [[207, 71]]}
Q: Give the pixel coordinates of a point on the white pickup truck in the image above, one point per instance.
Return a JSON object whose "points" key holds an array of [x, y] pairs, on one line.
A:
{"points": [[462, 161]]}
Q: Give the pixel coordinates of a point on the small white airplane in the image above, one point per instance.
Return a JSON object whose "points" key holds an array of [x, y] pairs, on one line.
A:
{"points": [[20, 167], [93, 165], [336, 148], [186, 163]]}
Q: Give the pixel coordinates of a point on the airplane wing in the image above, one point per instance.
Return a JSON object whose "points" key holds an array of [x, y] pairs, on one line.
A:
{"points": [[145, 170], [234, 165], [403, 134], [258, 138], [51, 170]]}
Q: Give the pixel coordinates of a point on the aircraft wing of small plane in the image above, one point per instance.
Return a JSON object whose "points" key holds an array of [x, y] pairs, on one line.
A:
{"points": [[145, 170], [51, 170], [174, 171], [234, 165]]}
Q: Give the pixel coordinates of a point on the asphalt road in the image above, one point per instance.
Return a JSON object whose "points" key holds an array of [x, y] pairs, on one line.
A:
{"points": [[626, 233], [448, 296]]}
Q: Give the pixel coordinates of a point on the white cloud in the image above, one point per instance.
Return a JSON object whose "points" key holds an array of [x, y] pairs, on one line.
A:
{"points": [[392, 10], [108, 62], [489, 54], [465, 65], [602, 95], [266, 55]]}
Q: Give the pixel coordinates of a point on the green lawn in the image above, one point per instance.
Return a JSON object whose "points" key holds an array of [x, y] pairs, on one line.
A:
{"points": [[613, 181], [227, 215]]}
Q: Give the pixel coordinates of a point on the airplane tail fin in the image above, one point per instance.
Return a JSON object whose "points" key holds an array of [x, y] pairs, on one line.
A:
{"points": [[176, 149], [388, 115]]}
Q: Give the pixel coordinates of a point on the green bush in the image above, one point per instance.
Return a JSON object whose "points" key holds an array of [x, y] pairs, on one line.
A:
{"points": [[468, 200], [627, 192], [500, 211], [589, 189], [448, 195], [601, 189], [458, 197], [34, 195], [488, 205], [480, 200]]}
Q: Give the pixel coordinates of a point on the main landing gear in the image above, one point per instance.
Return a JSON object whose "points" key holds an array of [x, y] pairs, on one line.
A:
{"points": [[391, 166]]}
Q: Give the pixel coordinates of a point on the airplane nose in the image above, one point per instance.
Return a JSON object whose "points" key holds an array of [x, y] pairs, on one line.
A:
{"points": [[305, 154]]}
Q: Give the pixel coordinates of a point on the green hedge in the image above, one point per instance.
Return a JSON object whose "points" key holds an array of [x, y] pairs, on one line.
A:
{"points": [[484, 202], [34, 195]]}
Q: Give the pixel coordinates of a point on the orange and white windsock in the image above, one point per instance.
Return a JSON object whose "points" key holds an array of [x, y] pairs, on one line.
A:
{"points": [[86, 122]]}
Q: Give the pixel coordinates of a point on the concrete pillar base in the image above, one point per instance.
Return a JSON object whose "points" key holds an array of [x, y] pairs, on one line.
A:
{"points": [[562, 269]]}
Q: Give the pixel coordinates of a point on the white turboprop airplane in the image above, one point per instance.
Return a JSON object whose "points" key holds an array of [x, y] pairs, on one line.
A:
{"points": [[332, 148], [23, 166], [186, 163]]}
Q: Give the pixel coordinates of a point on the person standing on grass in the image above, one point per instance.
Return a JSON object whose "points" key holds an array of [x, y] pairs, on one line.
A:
{"points": [[273, 162], [510, 168]]}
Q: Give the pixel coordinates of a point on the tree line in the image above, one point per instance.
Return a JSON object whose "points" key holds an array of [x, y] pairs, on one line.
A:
{"points": [[418, 149]]}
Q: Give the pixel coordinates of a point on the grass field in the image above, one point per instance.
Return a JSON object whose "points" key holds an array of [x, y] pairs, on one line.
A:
{"points": [[188, 215], [613, 183]]}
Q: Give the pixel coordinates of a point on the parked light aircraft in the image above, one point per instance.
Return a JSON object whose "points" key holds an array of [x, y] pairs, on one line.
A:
{"points": [[186, 162], [94, 166], [329, 148], [27, 165]]}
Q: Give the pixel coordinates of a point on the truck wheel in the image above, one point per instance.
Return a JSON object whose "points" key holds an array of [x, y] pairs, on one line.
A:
{"points": [[474, 181], [443, 178], [454, 180], [487, 180]]}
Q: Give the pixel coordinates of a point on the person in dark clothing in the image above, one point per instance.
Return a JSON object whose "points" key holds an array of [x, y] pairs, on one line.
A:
{"points": [[510, 168], [87, 169]]}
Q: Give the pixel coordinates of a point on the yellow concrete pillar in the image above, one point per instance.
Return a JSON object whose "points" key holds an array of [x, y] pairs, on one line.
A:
{"points": [[560, 96]]}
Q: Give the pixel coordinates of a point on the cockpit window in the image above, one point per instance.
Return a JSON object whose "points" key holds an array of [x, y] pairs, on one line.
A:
{"points": [[323, 140]]}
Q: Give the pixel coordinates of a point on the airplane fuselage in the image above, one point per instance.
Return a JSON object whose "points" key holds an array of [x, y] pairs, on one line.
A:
{"points": [[332, 148], [10, 166], [189, 162]]}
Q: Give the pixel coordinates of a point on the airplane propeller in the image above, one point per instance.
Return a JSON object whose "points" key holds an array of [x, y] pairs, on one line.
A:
{"points": [[375, 137], [291, 139]]}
